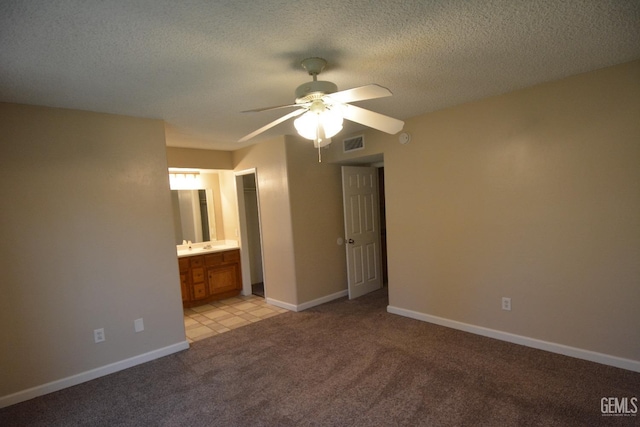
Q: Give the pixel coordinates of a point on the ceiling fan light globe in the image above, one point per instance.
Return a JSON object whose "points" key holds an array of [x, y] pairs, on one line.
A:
{"points": [[307, 125], [331, 120]]}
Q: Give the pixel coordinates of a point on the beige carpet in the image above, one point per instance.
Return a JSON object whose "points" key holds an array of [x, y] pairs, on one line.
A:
{"points": [[346, 363]]}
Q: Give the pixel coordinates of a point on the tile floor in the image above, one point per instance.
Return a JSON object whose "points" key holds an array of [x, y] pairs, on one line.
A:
{"points": [[224, 315]]}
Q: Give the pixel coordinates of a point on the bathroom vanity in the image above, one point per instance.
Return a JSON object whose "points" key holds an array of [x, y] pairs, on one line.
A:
{"points": [[209, 274]]}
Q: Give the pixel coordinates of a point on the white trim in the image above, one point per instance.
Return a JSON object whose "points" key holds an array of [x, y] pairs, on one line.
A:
{"points": [[325, 299], [92, 374], [245, 172], [245, 264], [592, 356], [281, 304], [308, 304]]}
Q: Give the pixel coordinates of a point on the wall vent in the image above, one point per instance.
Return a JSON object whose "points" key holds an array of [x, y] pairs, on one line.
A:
{"points": [[353, 144]]}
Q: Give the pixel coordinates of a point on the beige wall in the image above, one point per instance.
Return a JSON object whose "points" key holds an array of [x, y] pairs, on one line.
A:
{"points": [[270, 161], [317, 220], [301, 218], [199, 159], [533, 195], [87, 243]]}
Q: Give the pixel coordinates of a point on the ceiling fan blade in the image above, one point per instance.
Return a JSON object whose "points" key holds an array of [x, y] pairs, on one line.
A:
{"points": [[373, 120], [257, 110], [361, 93], [273, 123]]}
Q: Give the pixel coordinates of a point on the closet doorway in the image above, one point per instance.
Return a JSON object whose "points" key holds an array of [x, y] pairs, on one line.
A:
{"points": [[251, 241]]}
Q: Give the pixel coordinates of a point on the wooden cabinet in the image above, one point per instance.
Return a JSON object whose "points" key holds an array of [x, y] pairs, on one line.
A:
{"points": [[183, 263], [210, 277]]}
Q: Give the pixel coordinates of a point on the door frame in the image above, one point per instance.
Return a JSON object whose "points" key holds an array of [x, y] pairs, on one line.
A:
{"points": [[377, 164], [245, 260]]}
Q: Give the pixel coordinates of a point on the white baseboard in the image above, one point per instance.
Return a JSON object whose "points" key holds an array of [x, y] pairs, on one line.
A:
{"points": [[281, 304], [319, 301], [308, 304], [592, 356], [82, 377]]}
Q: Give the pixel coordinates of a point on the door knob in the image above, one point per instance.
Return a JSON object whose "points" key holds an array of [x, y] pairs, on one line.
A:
{"points": [[351, 241]]}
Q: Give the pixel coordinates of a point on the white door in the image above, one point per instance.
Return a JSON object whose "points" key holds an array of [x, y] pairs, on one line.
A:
{"points": [[362, 227]]}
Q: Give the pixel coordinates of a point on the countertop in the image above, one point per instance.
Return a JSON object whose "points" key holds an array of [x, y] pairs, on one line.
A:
{"points": [[205, 248]]}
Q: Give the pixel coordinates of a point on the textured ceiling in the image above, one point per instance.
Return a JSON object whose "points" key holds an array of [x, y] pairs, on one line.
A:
{"points": [[197, 64]]}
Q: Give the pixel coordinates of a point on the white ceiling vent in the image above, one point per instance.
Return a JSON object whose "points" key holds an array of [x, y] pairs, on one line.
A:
{"points": [[353, 144]]}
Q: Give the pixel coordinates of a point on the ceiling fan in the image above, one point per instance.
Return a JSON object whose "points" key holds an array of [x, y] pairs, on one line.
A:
{"points": [[322, 108]]}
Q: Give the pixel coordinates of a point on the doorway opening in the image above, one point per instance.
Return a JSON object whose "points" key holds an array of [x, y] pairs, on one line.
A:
{"points": [[250, 234]]}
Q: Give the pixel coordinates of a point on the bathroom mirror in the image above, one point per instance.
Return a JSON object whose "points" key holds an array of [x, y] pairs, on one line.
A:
{"points": [[193, 215]]}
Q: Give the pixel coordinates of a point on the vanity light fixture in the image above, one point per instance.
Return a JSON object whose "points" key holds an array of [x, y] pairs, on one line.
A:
{"points": [[184, 179]]}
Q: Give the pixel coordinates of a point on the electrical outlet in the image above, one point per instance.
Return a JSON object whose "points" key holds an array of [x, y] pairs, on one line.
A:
{"points": [[506, 303], [98, 335], [138, 325]]}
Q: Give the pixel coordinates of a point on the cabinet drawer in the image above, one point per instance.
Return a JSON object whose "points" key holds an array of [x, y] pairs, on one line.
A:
{"points": [[196, 261], [199, 291], [212, 260], [197, 275], [231, 256]]}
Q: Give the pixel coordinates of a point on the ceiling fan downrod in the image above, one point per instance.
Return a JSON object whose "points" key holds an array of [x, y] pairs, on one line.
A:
{"points": [[316, 89]]}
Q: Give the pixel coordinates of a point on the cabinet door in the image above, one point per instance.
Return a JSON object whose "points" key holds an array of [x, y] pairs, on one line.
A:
{"points": [[184, 286], [183, 264], [223, 279]]}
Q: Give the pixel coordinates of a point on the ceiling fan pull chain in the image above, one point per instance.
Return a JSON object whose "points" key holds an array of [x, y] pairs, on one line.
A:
{"points": [[319, 154]]}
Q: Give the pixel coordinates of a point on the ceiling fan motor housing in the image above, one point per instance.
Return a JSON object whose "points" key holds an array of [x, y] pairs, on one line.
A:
{"points": [[311, 91]]}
